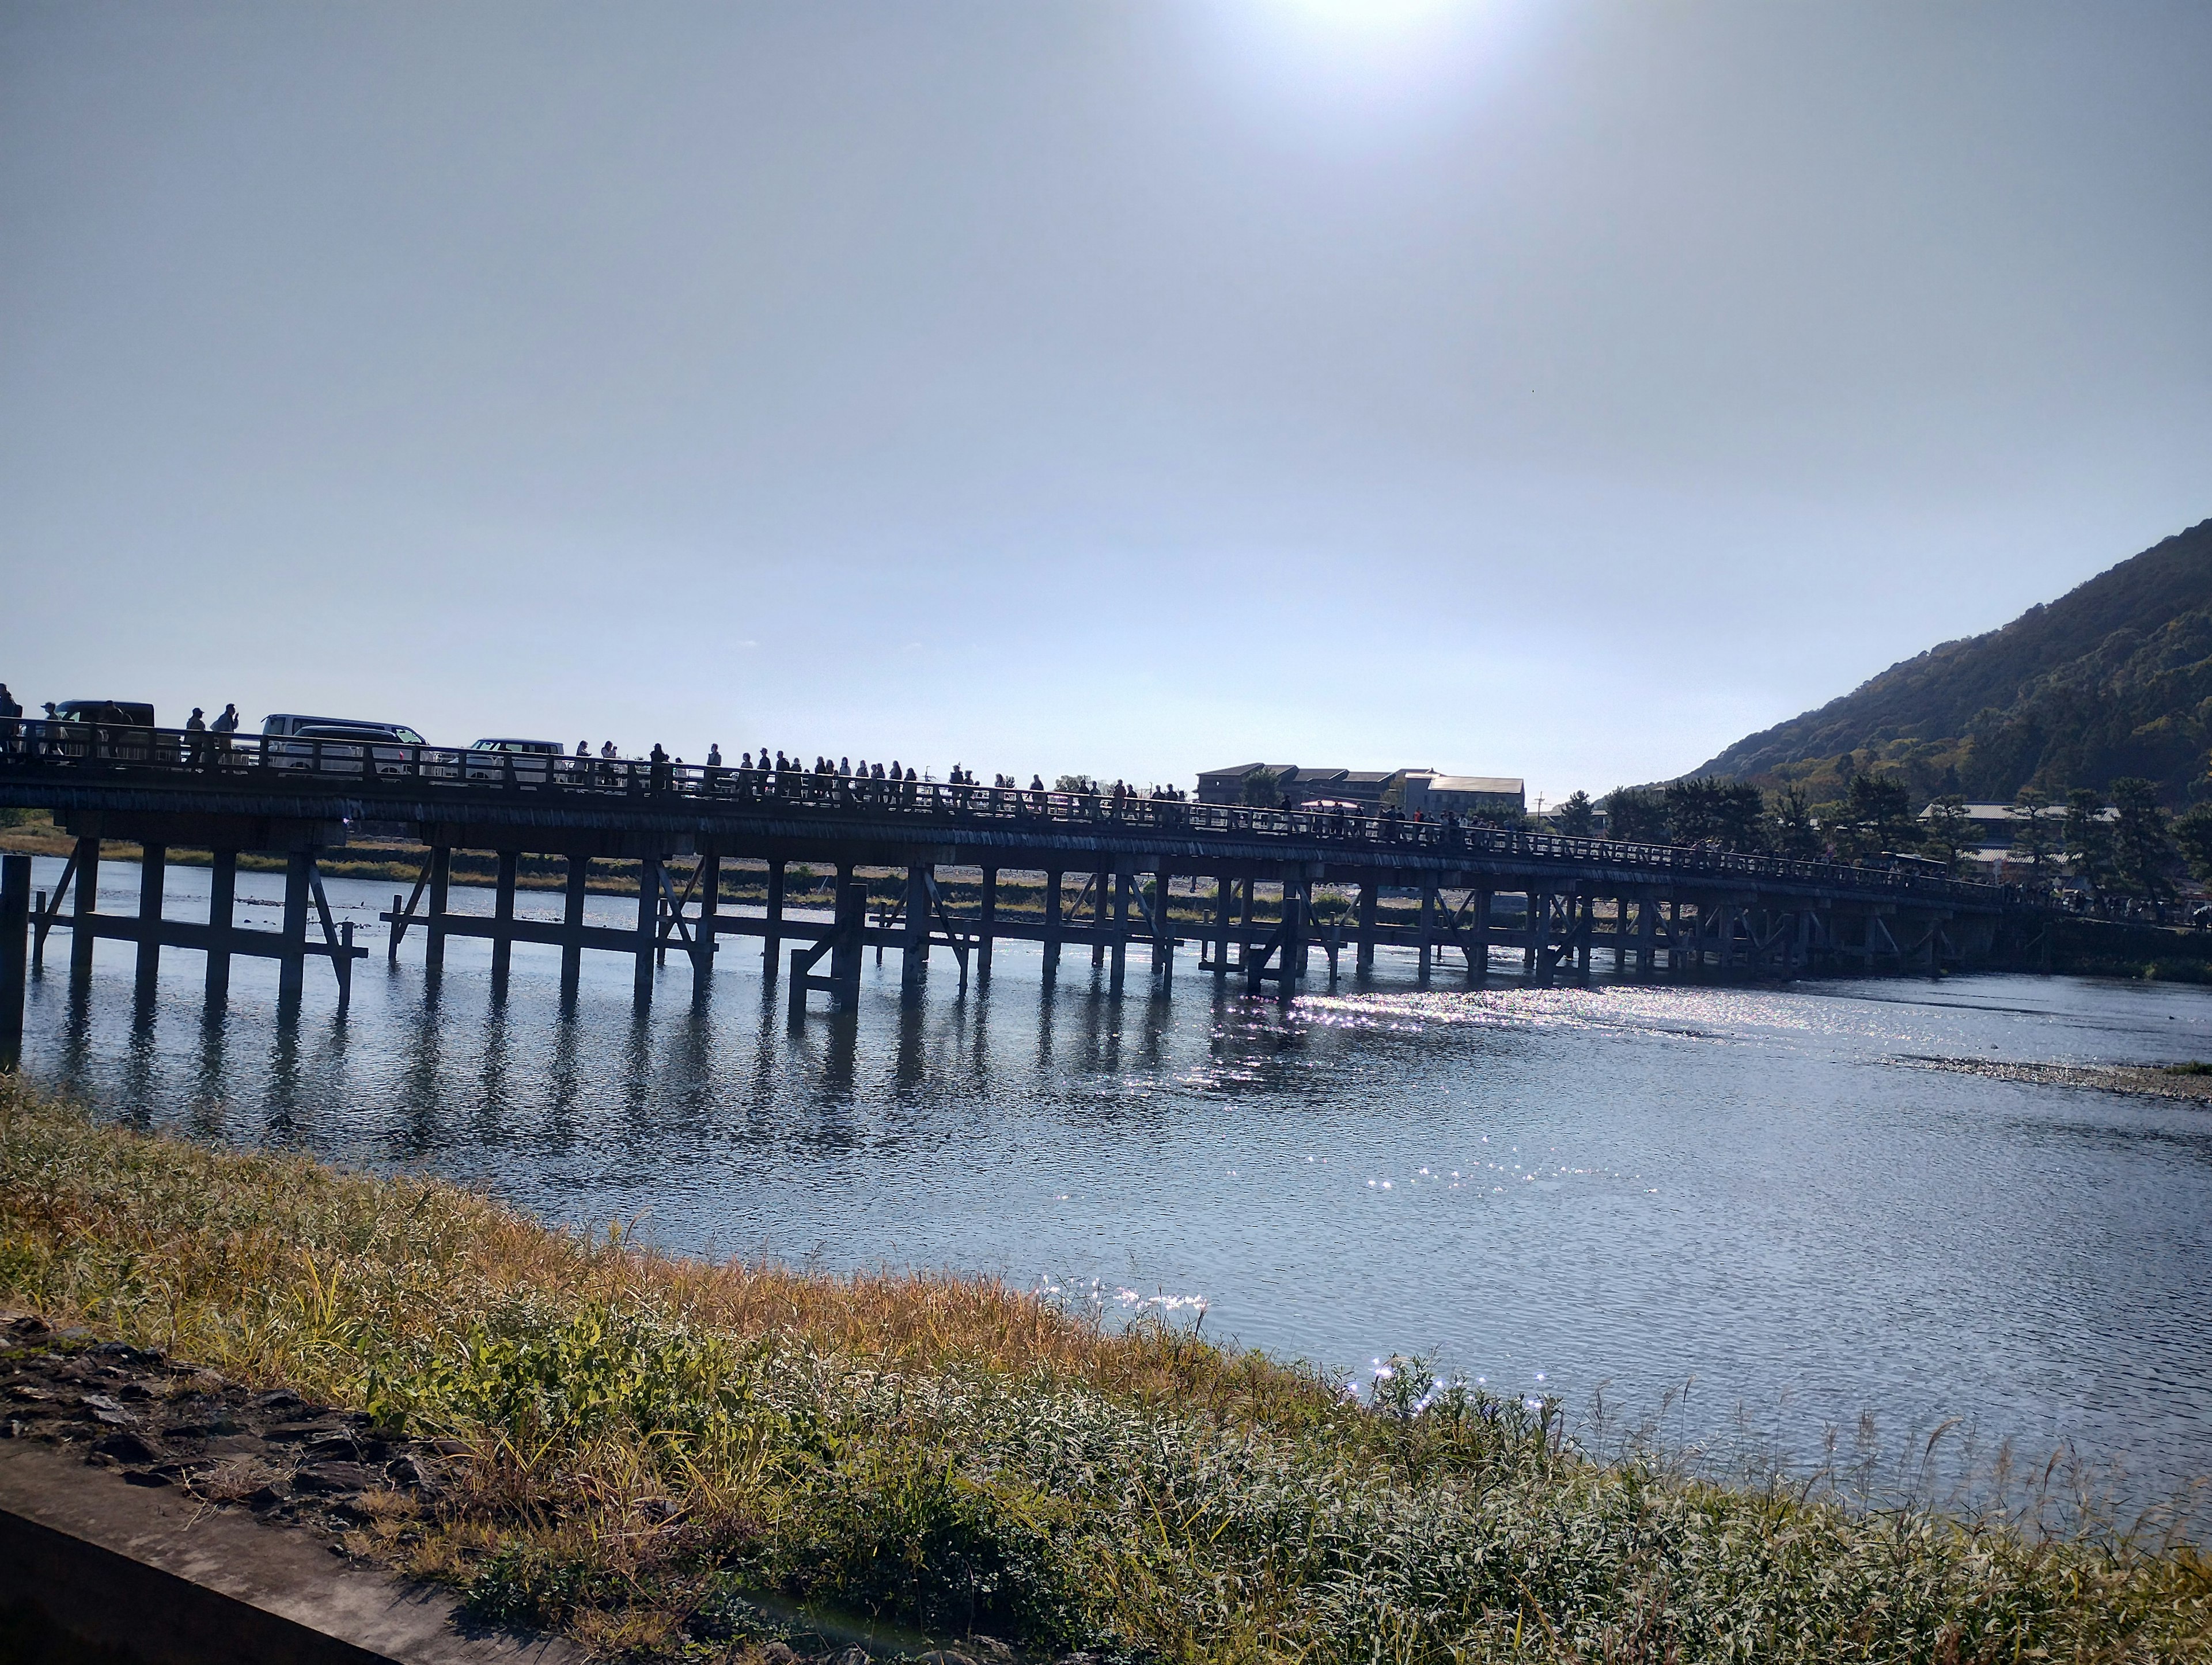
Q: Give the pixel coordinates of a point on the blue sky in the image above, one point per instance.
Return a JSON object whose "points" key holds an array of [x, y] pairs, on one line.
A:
{"points": [[1558, 391]]}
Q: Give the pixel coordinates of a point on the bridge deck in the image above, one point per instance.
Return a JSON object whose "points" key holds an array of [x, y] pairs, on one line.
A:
{"points": [[1687, 909]]}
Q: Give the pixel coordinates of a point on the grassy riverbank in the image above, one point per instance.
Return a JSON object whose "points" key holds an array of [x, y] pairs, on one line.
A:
{"points": [[654, 1445]]}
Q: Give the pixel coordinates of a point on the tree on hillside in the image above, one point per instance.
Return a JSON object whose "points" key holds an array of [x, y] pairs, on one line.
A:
{"points": [[1874, 817], [1260, 789], [2088, 838], [1949, 831], [1725, 812], [2142, 840], [2035, 823], [1576, 816], [1635, 817], [1790, 829], [2192, 837]]}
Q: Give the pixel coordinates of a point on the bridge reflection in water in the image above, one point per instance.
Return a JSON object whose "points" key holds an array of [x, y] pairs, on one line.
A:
{"points": [[1254, 875]]}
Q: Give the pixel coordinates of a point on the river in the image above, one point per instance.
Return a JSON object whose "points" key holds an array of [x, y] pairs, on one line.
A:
{"points": [[1621, 1190]]}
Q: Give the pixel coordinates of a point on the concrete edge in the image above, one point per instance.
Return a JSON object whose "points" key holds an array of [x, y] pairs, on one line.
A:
{"points": [[161, 1577]]}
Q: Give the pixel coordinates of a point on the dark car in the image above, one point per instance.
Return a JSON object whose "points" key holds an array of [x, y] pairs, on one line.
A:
{"points": [[116, 731]]}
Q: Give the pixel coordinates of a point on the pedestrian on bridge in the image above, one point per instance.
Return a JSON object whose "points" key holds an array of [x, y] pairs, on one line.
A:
{"points": [[196, 747], [11, 716]]}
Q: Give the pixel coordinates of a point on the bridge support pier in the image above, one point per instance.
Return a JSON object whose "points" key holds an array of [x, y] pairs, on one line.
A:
{"points": [[434, 924], [1533, 963], [702, 939], [844, 945], [572, 925], [1287, 946], [1224, 892], [1371, 897], [648, 926], [1478, 952], [1100, 881], [1053, 900], [292, 962], [86, 904], [153, 881], [15, 923], [222, 907], [772, 938], [914, 952], [986, 926], [1428, 929], [1163, 942], [1120, 947], [502, 912]]}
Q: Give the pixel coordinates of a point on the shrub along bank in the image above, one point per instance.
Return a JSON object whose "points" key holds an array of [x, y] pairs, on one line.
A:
{"points": [[663, 1457]]}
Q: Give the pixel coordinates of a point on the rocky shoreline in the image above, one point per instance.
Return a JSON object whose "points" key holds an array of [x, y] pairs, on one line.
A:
{"points": [[159, 1423]]}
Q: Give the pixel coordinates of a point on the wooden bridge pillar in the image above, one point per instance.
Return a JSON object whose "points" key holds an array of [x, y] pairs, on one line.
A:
{"points": [[1251, 914], [845, 946], [292, 962], [222, 907], [572, 925], [848, 925], [984, 925], [1371, 899], [87, 904], [772, 936], [1647, 935], [1224, 891], [153, 881], [710, 905], [1163, 942], [1478, 965], [1428, 926], [1052, 907], [1539, 933], [15, 922], [647, 931], [1585, 916], [914, 952], [502, 914], [1100, 881], [434, 924], [1122, 881]]}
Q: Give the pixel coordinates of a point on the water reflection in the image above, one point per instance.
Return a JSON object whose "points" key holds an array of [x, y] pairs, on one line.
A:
{"points": [[1624, 1184]]}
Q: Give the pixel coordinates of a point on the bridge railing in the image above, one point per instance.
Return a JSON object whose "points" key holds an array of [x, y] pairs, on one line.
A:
{"points": [[75, 752]]}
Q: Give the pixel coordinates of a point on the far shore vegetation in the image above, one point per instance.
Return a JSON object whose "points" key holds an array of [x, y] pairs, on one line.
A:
{"points": [[672, 1458]]}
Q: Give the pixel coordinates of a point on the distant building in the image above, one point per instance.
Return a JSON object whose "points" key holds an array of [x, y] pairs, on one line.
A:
{"points": [[1437, 795], [1355, 788], [1990, 827], [1423, 791]]}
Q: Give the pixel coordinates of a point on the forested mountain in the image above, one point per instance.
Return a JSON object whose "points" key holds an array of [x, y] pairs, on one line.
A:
{"points": [[2113, 678]]}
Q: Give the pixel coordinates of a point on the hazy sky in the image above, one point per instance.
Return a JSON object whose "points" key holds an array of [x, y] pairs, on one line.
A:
{"points": [[1552, 390]]}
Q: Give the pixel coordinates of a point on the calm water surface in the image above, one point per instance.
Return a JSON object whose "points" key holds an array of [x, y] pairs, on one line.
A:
{"points": [[1559, 1190]]}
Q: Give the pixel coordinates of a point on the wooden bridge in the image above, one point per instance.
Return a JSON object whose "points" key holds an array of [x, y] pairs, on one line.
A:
{"points": [[1649, 910]]}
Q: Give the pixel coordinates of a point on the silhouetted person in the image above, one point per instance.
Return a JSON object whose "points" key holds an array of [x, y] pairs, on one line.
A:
{"points": [[657, 777], [11, 721], [223, 729], [196, 747]]}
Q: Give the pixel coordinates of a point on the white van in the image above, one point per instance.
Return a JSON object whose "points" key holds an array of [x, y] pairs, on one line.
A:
{"points": [[534, 762], [342, 745]]}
